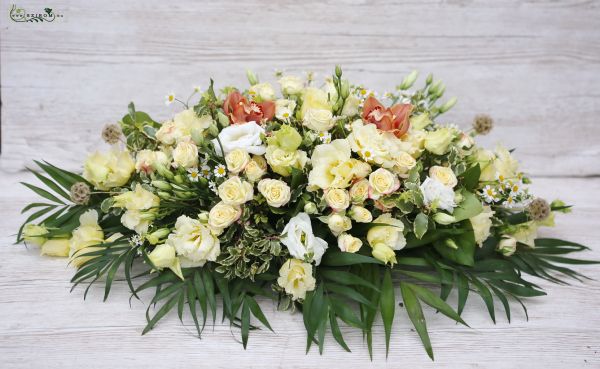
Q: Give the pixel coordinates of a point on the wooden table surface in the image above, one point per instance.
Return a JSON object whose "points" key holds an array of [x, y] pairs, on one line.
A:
{"points": [[534, 66]]}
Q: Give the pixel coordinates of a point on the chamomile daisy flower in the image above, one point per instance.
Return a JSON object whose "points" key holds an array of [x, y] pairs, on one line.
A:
{"points": [[220, 171], [509, 202], [364, 93], [325, 137], [489, 194], [500, 178], [515, 189], [136, 240], [205, 171], [193, 174], [366, 154], [170, 99]]}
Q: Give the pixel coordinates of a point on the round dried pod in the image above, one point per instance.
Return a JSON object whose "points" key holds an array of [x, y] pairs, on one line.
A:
{"points": [[539, 209], [111, 134], [80, 193], [482, 124]]}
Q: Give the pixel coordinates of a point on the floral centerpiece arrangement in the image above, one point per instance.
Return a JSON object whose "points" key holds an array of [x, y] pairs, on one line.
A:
{"points": [[326, 199]]}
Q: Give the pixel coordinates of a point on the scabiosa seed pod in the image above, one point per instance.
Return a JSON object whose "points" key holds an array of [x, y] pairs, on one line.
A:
{"points": [[111, 134], [80, 193], [539, 209], [483, 124]]}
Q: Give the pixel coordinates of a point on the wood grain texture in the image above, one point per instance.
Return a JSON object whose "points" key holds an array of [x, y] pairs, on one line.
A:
{"points": [[533, 65]]}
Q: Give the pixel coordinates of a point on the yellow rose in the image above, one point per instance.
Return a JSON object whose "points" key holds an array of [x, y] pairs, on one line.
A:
{"points": [[507, 245], [256, 168], [338, 223], [404, 163], [276, 192], [34, 234], [87, 234], [237, 160], [360, 214], [185, 154], [382, 182], [141, 207], [291, 85], [163, 256], [281, 161], [390, 236], [337, 198], [56, 247], [234, 191], [262, 92], [222, 216], [482, 224], [348, 243], [438, 141], [295, 277], [384, 253], [444, 175], [318, 119], [359, 191], [108, 170]]}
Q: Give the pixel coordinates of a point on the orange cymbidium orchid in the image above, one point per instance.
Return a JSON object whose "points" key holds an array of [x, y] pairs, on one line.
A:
{"points": [[393, 119], [240, 110]]}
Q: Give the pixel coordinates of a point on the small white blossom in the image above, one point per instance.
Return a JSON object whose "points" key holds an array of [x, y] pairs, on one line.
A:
{"points": [[170, 99], [136, 240], [325, 137], [205, 171], [193, 174], [489, 194], [220, 171]]}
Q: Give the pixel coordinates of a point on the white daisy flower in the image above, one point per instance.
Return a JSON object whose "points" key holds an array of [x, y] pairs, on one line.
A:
{"points": [[364, 93], [170, 99], [136, 240], [193, 174], [509, 202], [348, 127], [489, 194], [515, 189], [500, 178], [325, 137], [205, 171], [366, 154], [220, 171]]}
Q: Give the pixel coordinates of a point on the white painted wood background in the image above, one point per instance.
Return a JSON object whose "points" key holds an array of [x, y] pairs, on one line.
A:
{"points": [[534, 66]]}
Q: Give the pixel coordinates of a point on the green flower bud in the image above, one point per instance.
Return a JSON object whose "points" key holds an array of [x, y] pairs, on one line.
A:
{"points": [[429, 79], [163, 171], [338, 71], [448, 105], [178, 179], [161, 185], [223, 120], [252, 78], [310, 208], [345, 89], [409, 80], [443, 218], [163, 195], [451, 243], [156, 236]]}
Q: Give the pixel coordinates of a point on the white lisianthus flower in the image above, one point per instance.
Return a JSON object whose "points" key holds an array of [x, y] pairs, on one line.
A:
{"points": [[262, 92], [301, 242], [281, 161], [295, 277], [164, 256], [338, 223], [349, 243], [237, 160], [319, 120], [360, 214], [146, 160], [386, 239], [332, 166], [436, 195], [141, 207], [34, 234], [58, 247], [359, 191], [338, 199], [291, 85], [443, 175], [188, 122], [527, 233], [351, 106], [168, 133], [185, 155], [194, 243], [234, 191], [482, 223], [276, 192], [506, 166], [373, 145], [88, 233], [222, 216], [382, 182], [507, 245], [284, 109], [256, 168], [486, 159], [108, 170], [438, 141], [246, 136]]}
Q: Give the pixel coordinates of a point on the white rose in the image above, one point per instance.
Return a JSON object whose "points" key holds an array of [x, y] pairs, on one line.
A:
{"points": [[276, 192], [443, 175], [404, 163], [382, 182], [318, 119], [295, 277], [359, 191], [256, 168], [237, 160], [481, 224], [262, 92], [301, 242], [338, 223], [194, 242], [360, 214], [246, 136], [169, 133], [338, 199], [507, 245], [348, 243], [291, 85], [185, 155], [146, 160], [222, 216], [436, 195], [281, 161], [234, 191]]}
